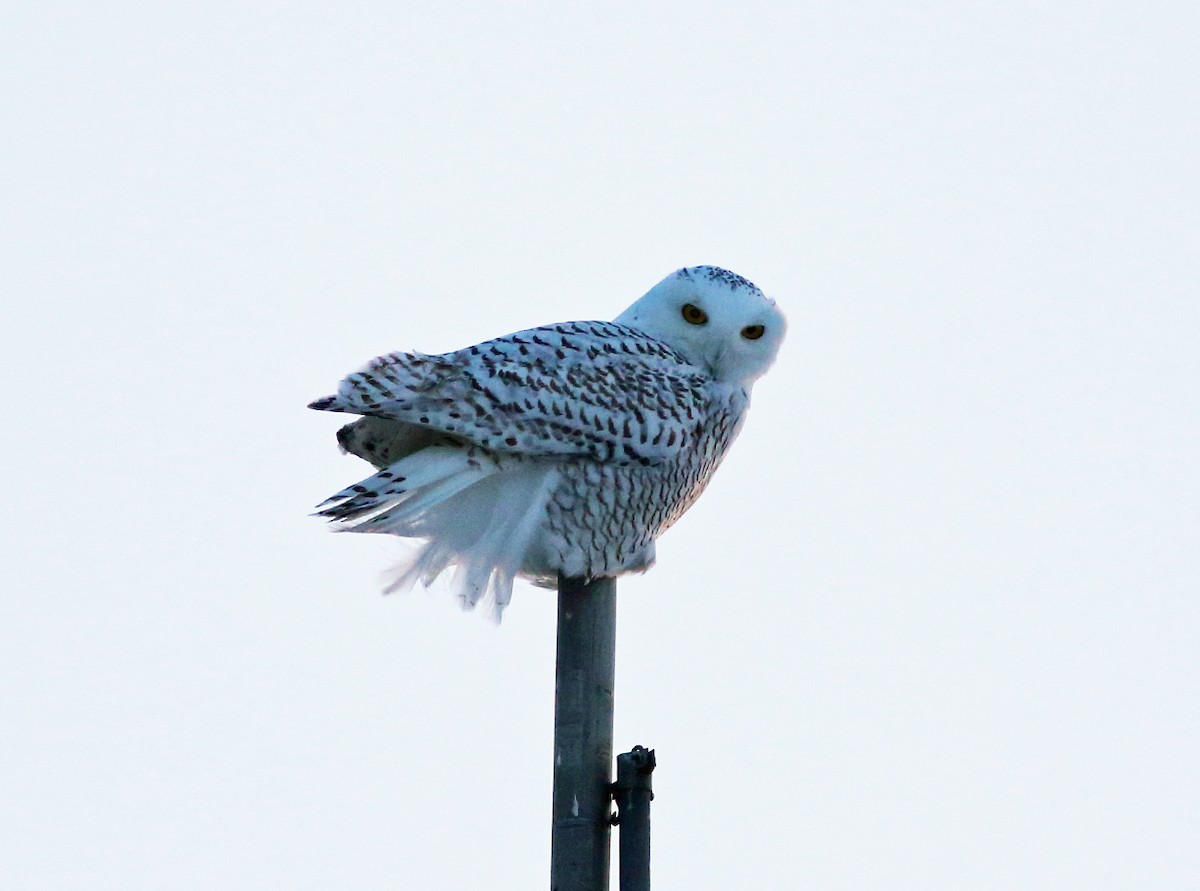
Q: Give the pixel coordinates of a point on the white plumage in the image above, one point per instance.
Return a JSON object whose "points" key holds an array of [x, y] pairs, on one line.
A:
{"points": [[562, 449]]}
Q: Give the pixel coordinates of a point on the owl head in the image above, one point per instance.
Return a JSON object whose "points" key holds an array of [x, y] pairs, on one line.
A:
{"points": [[716, 319]]}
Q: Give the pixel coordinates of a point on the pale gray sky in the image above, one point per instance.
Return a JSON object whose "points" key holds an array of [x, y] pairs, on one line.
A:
{"points": [[937, 616]]}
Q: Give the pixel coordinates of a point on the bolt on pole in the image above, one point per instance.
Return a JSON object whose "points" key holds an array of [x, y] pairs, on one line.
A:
{"points": [[634, 792], [585, 667]]}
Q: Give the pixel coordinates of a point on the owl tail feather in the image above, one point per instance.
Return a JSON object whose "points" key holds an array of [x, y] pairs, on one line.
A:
{"points": [[479, 517], [484, 532], [400, 490]]}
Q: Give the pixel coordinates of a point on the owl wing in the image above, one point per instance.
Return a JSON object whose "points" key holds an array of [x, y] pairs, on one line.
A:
{"points": [[595, 389]]}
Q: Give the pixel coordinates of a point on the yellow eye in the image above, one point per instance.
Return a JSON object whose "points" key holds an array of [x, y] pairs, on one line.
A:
{"points": [[694, 315], [753, 332]]}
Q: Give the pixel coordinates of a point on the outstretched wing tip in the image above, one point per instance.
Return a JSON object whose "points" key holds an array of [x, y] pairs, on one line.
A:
{"points": [[325, 403]]}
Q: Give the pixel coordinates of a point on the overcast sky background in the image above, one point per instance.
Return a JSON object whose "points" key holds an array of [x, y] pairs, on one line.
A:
{"points": [[935, 624]]}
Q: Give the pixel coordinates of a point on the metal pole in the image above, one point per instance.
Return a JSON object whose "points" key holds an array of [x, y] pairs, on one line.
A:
{"points": [[634, 793], [583, 731]]}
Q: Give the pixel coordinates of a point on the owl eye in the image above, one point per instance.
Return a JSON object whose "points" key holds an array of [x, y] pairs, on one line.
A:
{"points": [[753, 332], [694, 315]]}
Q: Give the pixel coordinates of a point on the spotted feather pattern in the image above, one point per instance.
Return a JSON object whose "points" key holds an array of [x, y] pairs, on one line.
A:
{"points": [[564, 449], [604, 518], [594, 389]]}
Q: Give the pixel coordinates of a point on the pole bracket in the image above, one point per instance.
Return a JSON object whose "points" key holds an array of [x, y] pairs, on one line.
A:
{"points": [[633, 794]]}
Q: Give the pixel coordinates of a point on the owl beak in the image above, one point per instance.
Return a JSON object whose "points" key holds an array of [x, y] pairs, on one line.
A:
{"points": [[716, 364]]}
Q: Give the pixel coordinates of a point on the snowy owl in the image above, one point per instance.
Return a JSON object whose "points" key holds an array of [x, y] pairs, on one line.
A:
{"points": [[567, 448]]}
